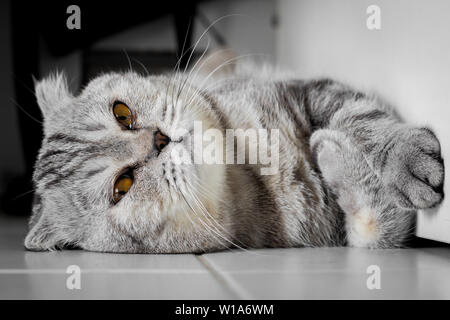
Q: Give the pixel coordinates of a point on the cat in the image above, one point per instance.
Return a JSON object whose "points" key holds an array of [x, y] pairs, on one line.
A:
{"points": [[350, 172]]}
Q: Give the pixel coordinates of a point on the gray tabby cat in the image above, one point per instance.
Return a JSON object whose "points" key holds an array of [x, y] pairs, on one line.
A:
{"points": [[350, 172]]}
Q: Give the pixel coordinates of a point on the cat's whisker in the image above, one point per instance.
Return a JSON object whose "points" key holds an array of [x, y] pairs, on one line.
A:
{"points": [[176, 69], [227, 62], [212, 227], [214, 234], [24, 111], [201, 65], [208, 223], [24, 194], [183, 52], [197, 71], [208, 214], [203, 191], [24, 85], [206, 60], [192, 48], [206, 226], [205, 88], [182, 85], [205, 32], [128, 59], [142, 65]]}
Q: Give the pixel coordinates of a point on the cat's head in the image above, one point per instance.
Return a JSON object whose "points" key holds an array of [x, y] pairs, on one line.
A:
{"points": [[105, 177]]}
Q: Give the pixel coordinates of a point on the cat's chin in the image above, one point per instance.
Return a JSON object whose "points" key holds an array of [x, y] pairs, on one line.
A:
{"points": [[200, 204]]}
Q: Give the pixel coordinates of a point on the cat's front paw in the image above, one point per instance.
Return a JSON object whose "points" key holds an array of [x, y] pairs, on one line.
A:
{"points": [[413, 169]]}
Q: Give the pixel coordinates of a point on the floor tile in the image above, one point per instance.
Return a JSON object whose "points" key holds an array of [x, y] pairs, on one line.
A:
{"points": [[296, 273], [335, 273], [113, 286], [42, 275]]}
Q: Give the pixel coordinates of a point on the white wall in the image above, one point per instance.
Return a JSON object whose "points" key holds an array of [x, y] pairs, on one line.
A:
{"points": [[407, 61]]}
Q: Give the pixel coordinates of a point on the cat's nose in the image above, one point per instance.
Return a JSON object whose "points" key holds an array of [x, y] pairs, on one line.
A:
{"points": [[161, 140]]}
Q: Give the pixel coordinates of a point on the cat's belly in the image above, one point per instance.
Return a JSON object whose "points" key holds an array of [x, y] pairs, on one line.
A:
{"points": [[289, 207], [308, 213]]}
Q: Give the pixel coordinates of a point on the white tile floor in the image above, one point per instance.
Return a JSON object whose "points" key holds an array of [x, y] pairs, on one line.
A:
{"points": [[303, 273]]}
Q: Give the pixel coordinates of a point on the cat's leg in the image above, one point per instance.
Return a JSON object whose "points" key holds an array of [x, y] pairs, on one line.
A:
{"points": [[406, 159], [371, 219]]}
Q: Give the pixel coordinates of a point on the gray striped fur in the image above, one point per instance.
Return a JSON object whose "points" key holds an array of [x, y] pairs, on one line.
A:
{"points": [[351, 173]]}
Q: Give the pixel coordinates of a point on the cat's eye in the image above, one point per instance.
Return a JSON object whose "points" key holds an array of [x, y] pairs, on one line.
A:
{"points": [[121, 186], [123, 114]]}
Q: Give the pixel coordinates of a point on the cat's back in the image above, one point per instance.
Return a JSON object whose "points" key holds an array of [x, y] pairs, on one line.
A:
{"points": [[258, 101]]}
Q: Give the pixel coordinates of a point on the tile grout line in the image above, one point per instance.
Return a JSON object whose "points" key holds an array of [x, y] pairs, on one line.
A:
{"points": [[225, 279], [103, 271]]}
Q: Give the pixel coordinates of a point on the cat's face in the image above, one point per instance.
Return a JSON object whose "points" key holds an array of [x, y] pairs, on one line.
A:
{"points": [[105, 177]]}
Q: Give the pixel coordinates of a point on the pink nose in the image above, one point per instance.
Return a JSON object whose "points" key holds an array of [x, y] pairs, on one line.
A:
{"points": [[161, 140]]}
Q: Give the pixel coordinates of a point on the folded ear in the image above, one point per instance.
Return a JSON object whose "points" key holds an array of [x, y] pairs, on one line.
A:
{"points": [[41, 236], [52, 92], [45, 233]]}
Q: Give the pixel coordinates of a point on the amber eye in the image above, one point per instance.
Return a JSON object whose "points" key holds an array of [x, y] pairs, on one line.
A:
{"points": [[121, 187], [123, 114]]}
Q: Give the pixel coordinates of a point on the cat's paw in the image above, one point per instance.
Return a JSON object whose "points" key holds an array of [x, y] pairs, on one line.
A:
{"points": [[341, 164], [413, 169]]}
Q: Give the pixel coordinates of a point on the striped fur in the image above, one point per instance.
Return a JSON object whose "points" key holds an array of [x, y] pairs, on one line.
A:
{"points": [[350, 171]]}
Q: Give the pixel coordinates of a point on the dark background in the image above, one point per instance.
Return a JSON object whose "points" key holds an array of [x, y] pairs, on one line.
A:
{"points": [[35, 41], [37, 26]]}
